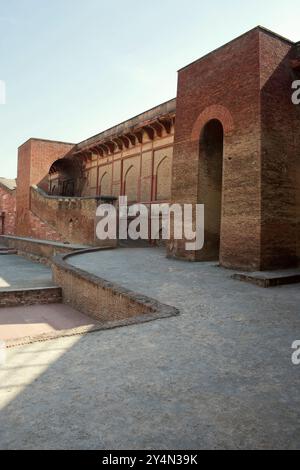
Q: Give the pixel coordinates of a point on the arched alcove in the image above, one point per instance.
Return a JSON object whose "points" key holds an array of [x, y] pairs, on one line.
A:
{"points": [[211, 184], [163, 180], [64, 178], [131, 184], [105, 185]]}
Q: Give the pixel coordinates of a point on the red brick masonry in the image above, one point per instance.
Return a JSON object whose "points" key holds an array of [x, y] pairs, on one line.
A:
{"points": [[7, 208]]}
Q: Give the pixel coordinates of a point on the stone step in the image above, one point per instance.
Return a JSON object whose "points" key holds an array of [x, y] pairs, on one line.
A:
{"points": [[270, 278], [30, 296]]}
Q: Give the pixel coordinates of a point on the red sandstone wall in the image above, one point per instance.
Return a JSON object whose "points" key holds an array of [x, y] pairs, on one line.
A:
{"points": [[142, 172], [8, 206]]}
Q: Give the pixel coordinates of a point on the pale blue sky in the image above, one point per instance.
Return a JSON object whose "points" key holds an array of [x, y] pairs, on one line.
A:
{"points": [[75, 67]]}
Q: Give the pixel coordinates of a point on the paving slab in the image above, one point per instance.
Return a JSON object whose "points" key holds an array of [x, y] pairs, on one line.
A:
{"points": [[270, 278]]}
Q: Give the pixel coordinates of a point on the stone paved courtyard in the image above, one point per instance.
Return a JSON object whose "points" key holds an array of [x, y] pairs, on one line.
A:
{"points": [[218, 376]]}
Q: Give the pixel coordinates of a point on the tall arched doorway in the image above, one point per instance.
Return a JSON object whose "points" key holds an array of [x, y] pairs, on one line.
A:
{"points": [[211, 185]]}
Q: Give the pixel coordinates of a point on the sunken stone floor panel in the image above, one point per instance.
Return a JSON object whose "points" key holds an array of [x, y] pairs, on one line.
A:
{"points": [[21, 325]]}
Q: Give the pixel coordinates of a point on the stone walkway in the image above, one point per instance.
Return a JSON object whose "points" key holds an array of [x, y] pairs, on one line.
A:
{"points": [[218, 376]]}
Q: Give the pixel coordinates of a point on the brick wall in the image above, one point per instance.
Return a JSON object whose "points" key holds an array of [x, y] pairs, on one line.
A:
{"points": [[246, 86], [72, 218], [42, 296], [8, 208], [35, 159], [142, 172], [280, 138], [105, 301], [225, 86], [41, 251], [38, 228]]}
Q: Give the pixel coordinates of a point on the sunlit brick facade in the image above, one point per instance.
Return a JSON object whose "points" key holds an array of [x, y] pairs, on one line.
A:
{"points": [[230, 140]]}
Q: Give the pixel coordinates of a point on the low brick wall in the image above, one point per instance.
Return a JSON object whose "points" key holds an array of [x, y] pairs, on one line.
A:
{"points": [[73, 218], [42, 296], [37, 250], [104, 301]]}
